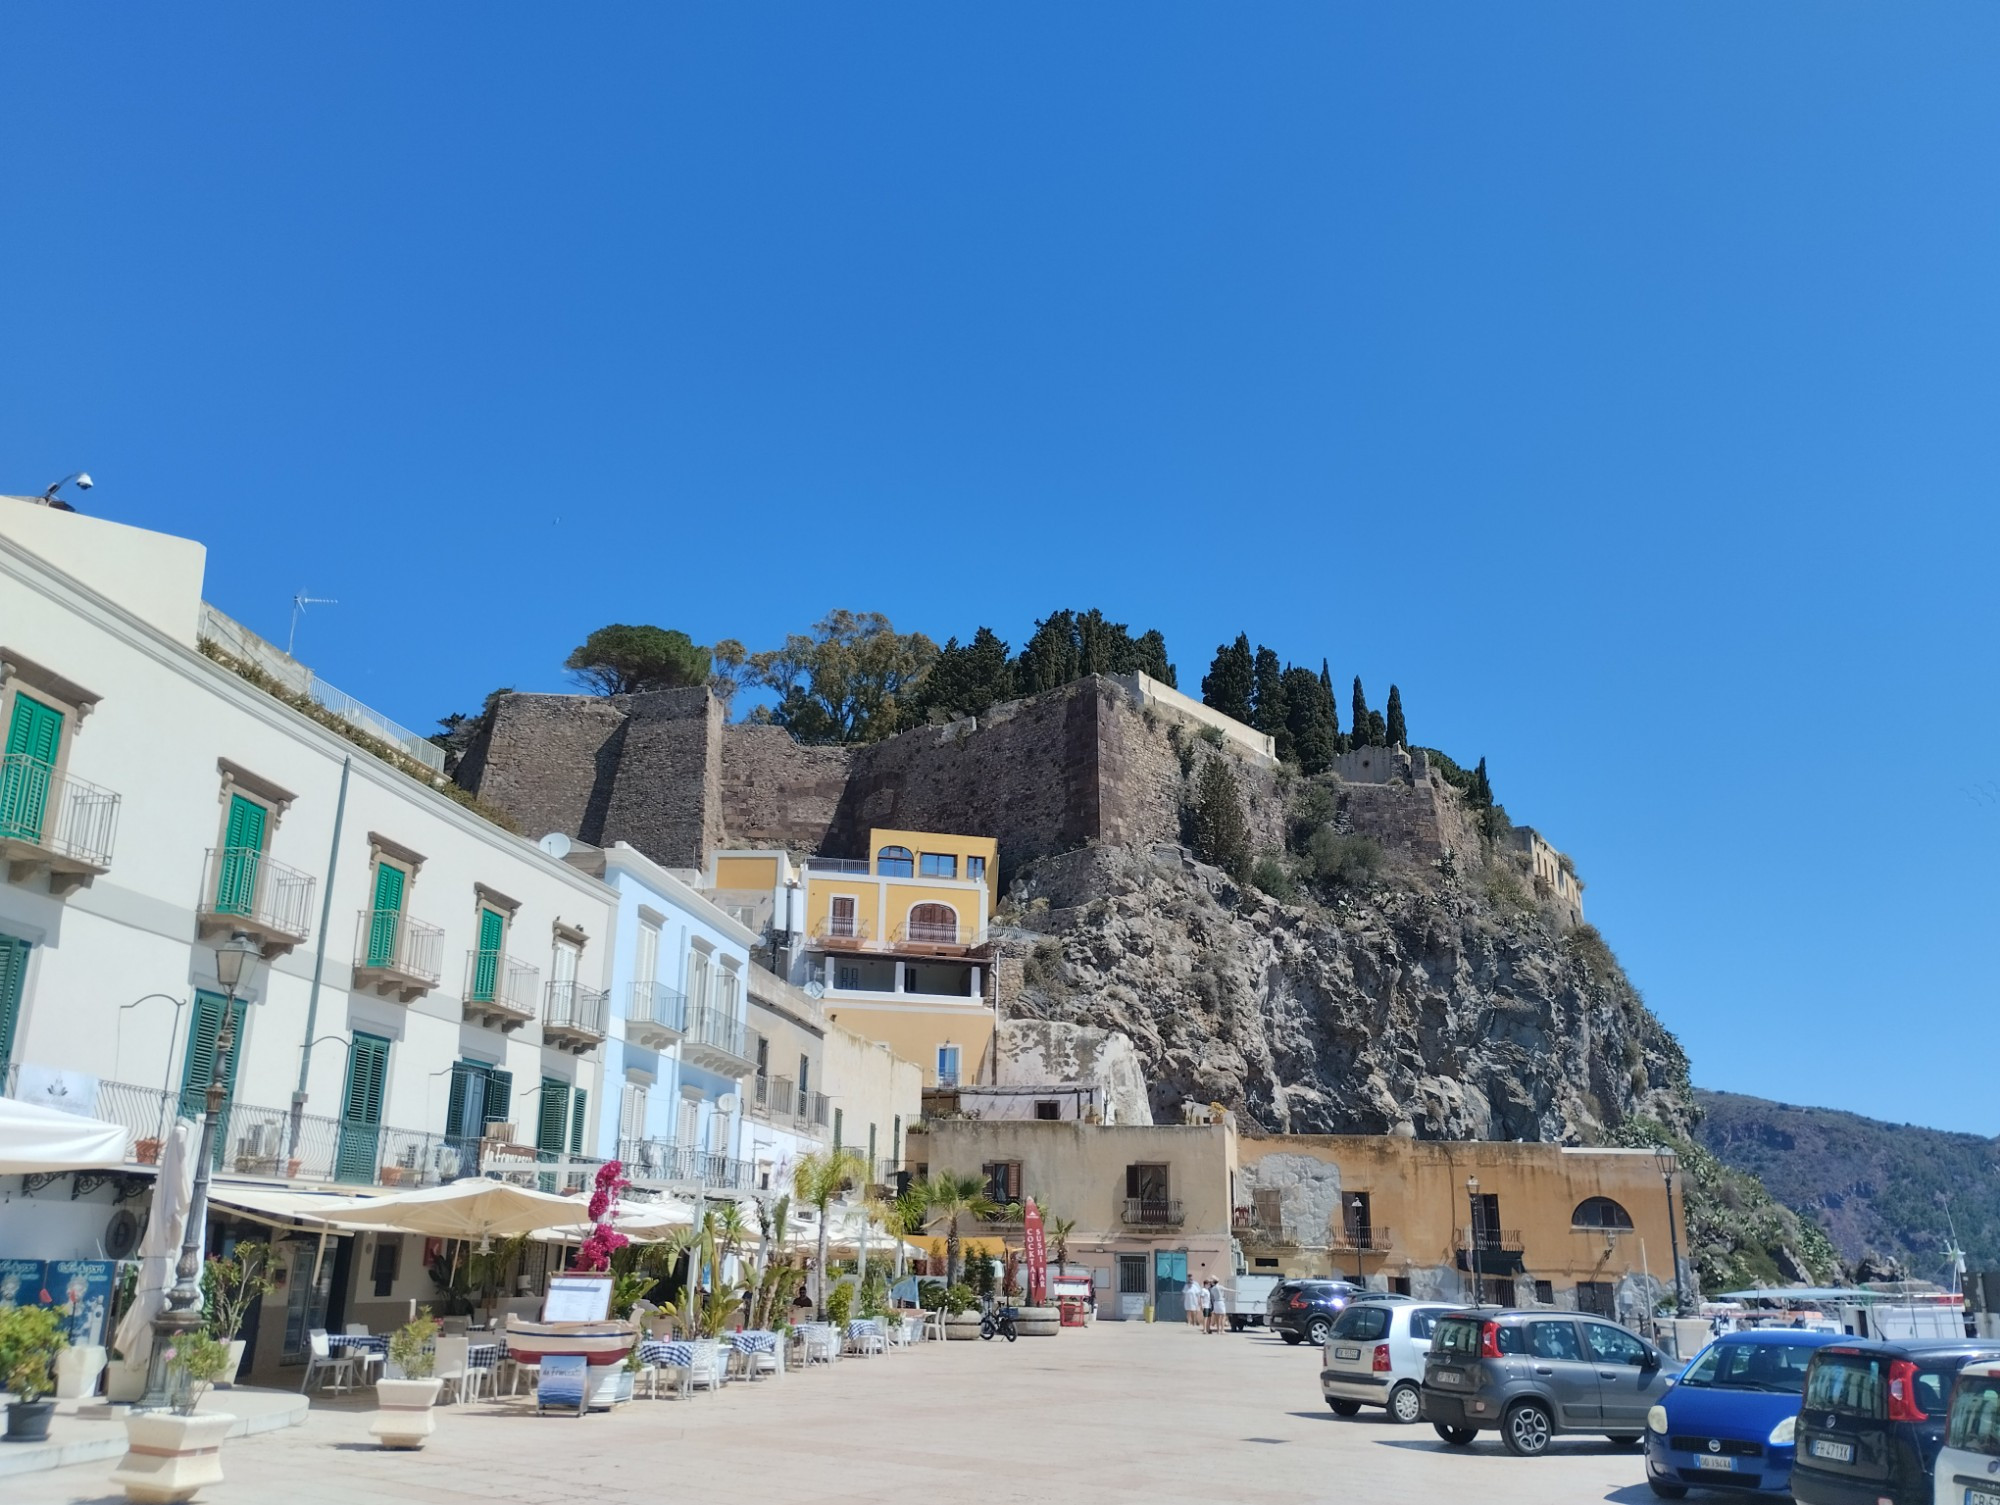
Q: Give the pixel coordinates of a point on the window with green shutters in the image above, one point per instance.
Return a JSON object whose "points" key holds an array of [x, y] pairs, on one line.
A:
{"points": [[388, 910], [486, 964], [480, 1095], [361, 1109], [553, 1123], [242, 856], [34, 735], [578, 1120], [198, 1064], [13, 984]]}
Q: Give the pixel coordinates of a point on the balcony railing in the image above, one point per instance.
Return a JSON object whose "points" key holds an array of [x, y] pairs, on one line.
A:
{"points": [[555, 1171], [841, 930], [1152, 1212], [499, 990], [661, 1162], [243, 889], [573, 1016], [655, 1015], [1368, 1240], [929, 932], [853, 866], [1485, 1239], [53, 823], [394, 954], [715, 1041]]}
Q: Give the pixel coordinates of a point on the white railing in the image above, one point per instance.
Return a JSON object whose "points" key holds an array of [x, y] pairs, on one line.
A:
{"points": [[68, 816], [243, 882], [387, 940], [573, 1009], [496, 981]]}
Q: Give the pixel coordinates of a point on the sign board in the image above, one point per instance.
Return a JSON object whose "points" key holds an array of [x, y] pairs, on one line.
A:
{"points": [[84, 1286], [21, 1282], [577, 1298], [1036, 1248], [561, 1381]]}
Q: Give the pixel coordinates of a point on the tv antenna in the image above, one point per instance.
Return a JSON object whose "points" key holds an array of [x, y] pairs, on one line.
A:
{"points": [[299, 603]]}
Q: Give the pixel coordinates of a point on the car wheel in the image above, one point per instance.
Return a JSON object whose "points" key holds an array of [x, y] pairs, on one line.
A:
{"points": [[1317, 1329], [1237, 1324], [1406, 1403], [1624, 1439], [1293, 1339], [1668, 1491], [1345, 1407], [1458, 1437], [1527, 1429]]}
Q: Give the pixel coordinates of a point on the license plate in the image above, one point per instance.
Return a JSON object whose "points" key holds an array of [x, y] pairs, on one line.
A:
{"points": [[1347, 1353], [1448, 1377], [1720, 1465], [1978, 1496], [1835, 1452]]}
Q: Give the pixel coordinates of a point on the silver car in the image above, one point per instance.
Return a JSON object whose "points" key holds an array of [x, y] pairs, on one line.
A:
{"points": [[1375, 1357]]}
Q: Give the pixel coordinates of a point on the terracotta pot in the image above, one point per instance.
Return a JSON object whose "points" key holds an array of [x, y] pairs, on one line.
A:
{"points": [[169, 1457], [146, 1151], [406, 1417], [392, 1175]]}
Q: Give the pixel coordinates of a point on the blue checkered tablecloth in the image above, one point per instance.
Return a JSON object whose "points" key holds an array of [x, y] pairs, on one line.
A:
{"points": [[478, 1355], [862, 1327], [754, 1340], [666, 1354]]}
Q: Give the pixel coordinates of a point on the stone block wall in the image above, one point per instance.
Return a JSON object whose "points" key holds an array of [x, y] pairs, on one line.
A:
{"points": [[548, 761], [776, 792], [665, 795], [1420, 819]]}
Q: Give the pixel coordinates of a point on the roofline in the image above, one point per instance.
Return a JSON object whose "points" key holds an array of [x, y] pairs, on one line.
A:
{"points": [[627, 858]]}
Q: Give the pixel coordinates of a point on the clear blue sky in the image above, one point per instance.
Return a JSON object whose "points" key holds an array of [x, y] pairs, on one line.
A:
{"points": [[1619, 381]]}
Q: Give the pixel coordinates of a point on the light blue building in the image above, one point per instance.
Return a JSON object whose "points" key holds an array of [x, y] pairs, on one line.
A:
{"points": [[676, 1055]]}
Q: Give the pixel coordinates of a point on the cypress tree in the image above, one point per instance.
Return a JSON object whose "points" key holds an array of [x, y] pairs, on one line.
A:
{"points": [[1361, 715], [1315, 737], [1398, 734], [1220, 833], [1231, 680], [1268, 694], [1480, 795], [1378, 730], [1149, 656], [1048, 658]]}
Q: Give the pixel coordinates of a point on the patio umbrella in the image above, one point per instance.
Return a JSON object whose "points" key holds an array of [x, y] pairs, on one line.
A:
{"points": [[476, 1208], [160, 1249], [645, 1222], [34, 1140]]}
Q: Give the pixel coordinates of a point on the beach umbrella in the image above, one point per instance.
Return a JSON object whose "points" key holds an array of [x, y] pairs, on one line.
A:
{"points": [[160, 1249], [476, 1208]]}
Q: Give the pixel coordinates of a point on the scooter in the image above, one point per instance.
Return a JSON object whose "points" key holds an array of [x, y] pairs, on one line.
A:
{"points": [[1000, 1322]]}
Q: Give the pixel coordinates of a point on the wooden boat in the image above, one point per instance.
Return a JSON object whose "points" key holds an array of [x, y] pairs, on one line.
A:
{"points": [[599, 1343]]}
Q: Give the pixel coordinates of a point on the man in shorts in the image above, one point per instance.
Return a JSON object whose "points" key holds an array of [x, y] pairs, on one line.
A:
{"points": [[1191, 1303]]}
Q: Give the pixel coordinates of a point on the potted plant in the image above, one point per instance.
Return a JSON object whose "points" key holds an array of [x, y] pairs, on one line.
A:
{"points": [[404, 1407], [146, 1151], [30, 1339], [230, 1284], [172, 1454], [391, 1175]]}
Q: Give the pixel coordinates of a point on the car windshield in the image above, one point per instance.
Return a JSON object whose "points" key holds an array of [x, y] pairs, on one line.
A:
{"points": [[1457, 1336], [1975, 1416], [1362, 1324], [1779, 1368], [1848, 1384]]}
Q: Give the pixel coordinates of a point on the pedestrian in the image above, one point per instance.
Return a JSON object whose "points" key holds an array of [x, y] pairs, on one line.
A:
{"points": [[1191, 1303], [1215, 1306], [1206, 1297]]}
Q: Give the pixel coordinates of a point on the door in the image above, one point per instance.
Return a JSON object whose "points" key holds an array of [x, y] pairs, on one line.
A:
{"points": [[198, 1065], [840, 918], [242, 855], [1169, 1280], [551, 1127], [387, 916], [1565, 1371], [34, 735], [361, 1110], [1629, 1381], [486, 965]]}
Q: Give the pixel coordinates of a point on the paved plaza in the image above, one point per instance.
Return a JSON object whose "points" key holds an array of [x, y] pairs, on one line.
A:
{"points": [[1118, 1412]]}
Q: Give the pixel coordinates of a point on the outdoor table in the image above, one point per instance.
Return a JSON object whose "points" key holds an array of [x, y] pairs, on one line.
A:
{"points": [[666, 1353], [913, 1328], [365, 1342], [754, 1340]]}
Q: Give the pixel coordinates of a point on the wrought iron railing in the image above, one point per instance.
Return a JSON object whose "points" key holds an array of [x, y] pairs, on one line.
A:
{"points": [[555, 1171], [1488, 1238], [659, 1160], [657, 1004], [571, 1008], [1153, 1212], [1371, 1240], [244, 883], [841, 928], [929, 932], [67, 816], [387, 940], [497, 982], [711, 1027]]}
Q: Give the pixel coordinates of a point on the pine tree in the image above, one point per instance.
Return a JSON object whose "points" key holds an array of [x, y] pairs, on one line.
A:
{"points": [[1309, 719], [1480, 795], [1398, 733], [1267, 706], [965, 681], [1231, 679], [1150, 657], [1221, 834], [1361, 715]]}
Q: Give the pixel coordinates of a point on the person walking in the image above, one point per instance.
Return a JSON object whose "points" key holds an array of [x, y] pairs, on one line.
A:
{"points": [[1191, 1303], [1215, 1306], [1206, 1295]]}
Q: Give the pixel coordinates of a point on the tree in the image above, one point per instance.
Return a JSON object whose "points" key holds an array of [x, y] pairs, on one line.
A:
{"points": [[847, 681], [1360, 715], [456, 732], [1480, 795], [965, 681], [1221, 835], [1149, 657], [1310, 722], [625, 660], [949, 1198], [818, 1180], [1068, 645], [1395, 733], [1231, 681], [1267, 704]]}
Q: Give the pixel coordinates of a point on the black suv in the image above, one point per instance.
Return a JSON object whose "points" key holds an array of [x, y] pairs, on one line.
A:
{"points": [[1302, 1311], [1872, 1419]]}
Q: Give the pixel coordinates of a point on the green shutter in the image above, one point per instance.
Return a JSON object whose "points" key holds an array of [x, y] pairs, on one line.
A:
{"points": [[836, 1129], [361, 1109], [554, 1116], [198, 1067], [242, 851], [577, 1120], [34, 733], [486, 966], [464, 1085], [13, 980], [499, 1098], [388, 911]]}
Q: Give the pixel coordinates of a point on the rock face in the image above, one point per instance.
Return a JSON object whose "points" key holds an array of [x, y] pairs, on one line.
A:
{"points": [[1419, 1006], [1034, 1052]]}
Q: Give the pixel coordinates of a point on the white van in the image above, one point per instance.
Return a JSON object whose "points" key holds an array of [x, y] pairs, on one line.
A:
{"points": [[1968, 1470]]}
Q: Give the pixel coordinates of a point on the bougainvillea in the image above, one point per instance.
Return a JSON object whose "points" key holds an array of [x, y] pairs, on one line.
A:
{"points": [[603, 1241]]}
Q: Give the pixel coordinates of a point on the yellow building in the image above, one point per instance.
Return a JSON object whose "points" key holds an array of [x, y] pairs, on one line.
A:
{"points": [[894, 943]]}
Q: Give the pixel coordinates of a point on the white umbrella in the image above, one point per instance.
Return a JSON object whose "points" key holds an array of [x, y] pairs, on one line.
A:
{"points": [[160, 1250], [34, 1140], [476, 1208], [645, 1222]]}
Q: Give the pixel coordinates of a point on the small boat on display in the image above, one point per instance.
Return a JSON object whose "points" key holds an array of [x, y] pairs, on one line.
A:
{"points": [[598, 1343]]}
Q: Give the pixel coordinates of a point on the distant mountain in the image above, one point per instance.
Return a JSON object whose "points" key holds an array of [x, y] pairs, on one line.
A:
{"points": [[1879, 1188]]}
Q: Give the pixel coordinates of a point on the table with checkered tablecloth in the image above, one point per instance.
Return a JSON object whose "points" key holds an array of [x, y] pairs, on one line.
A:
{"points": [[666, 1353], [477, 1355]]}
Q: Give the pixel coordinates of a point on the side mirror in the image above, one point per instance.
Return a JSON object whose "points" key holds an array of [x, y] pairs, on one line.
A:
{"points": [[1651, 1361]]}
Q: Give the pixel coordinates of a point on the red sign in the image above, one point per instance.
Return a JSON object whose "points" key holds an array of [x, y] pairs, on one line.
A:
{"points": [[1038, 1256]]}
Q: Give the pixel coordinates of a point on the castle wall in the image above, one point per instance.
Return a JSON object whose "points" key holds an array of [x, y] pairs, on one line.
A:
{"points": [[1419, 819], [548, 761], [665, 794], [777, 793]]}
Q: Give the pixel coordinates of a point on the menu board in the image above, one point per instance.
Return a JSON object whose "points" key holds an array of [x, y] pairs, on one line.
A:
{"points": [[577, 1298], [84, 1286], [21, 1282]]}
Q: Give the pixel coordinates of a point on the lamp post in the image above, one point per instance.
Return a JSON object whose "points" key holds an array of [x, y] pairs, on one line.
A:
{"points": [[182, 1314], [1358, 1207], [1666, 1160], [1472, 1238], [173, 1033]]}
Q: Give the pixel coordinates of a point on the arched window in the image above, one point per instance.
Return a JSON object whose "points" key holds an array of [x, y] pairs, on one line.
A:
{"points": [[1599, 1212], [895, 862], [933, 923]]}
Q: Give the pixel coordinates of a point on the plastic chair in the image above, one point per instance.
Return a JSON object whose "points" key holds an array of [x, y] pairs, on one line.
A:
{"points": [[934, 1325], [320, 1359], [453, 1365], [706, 1372]]}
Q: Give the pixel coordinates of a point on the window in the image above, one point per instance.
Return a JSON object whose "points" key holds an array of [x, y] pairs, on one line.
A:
{"points": [[1545, 1293], [386, 912], [1364, 1322], [699, 969], [805, 1075], [947, 1065], [632, 1112], [847, 979], [1975, 1420], [579, 1120], [1613, 1345], [1355, 1219], [1600, 1212], [936, 924], [1486, 1220], [13, 984], [552, 1123], [1422, 1324], [361, 1109], [763, 1056], [690, 1122], [1267, 1209], [486, 959], [1553, 1340], [728, 989], [839, 1119], [198, 1065], [1048, 1110], [938, 865], [1003, 1180], [1131, 1274], [1146, 1183], [840, 920], [646, 957], [1597, 1298], [245, 828], [1768, 1367], [34, 737], [1271, 1264], [975, 869], [895, 862], [480, 1095]]}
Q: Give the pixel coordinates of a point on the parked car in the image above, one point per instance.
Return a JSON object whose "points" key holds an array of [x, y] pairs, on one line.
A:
{"points": [[1375, 1356], [1730, 1418], [1534, 1375], [1872, 1421], [1301, 1311], [1968, 1469], [1245, 1298]]}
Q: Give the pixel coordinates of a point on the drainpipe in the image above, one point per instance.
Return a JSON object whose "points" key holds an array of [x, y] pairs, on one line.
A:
{"points": [[319, 962]]}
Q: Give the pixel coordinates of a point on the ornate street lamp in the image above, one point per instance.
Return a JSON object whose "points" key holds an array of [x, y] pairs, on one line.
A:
{"points": [[1358, 1207], [1665, 1159], [181, 1316], [1472, 1238]]}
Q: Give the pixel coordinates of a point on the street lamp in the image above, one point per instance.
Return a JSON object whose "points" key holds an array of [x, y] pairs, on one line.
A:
{"points": [[182, 1314], [173, 1033], [1358, 1208], [1472, 1238], [1664, 1158]]}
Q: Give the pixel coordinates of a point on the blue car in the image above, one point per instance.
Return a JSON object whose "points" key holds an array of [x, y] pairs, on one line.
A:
{"points": [[1729, 1422]]}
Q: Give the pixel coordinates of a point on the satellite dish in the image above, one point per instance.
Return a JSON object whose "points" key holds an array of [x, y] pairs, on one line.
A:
{"points": [[555, 844], [728, 1103], [815, 989], [121, 1234]]}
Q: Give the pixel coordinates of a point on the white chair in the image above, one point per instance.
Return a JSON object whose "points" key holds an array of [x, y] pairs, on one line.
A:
{"points": [[364, 1359], [532, 1368], [453, 1365], [934, 1325], [321, 1360], [707, 1371]]}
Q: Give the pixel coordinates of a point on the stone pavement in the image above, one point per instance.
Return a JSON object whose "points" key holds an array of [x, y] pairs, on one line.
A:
{"points": [[1120, 1412]]}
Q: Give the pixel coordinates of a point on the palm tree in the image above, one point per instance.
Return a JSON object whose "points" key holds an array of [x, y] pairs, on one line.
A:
{"points": [[819, 1180], [1059, 1231], [950, 1198]]}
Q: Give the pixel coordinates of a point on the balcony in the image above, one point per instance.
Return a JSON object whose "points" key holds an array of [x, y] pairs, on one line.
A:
{"points": [[655, 1015], [1500, 1251], [717, 1042], [573, 1017], [52, 823], [1362, 1240], [937, 938], [499, 991], [1152, 1212], [555, 1171], [657, 1162], [396, 956], [242, 889], [854, 867], [847, 933]]}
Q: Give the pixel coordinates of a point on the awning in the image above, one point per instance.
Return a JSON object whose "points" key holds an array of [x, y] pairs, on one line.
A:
{"points": [[311, 1210], [35, 1140]]}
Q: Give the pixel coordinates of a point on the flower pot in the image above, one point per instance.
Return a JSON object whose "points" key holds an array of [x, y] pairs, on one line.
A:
{"points": [[146, 1151], [228, 1375], [124, 1381], [292, 1169], [961, 1327], [28, 1420], [169, 1457], [609, 1384], [1037, 1321], [392, 1175], [404, 1418], [77, 1370]]}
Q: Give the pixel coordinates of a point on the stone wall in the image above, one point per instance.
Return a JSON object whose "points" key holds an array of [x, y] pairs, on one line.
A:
{"points": [[665, 797], [1419, 820], [779, 793], [548, 761]]}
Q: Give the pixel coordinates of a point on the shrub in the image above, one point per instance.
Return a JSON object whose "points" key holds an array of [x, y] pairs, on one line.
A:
{"points": [[30, 1339], [410, 1346], [840, 1304], [231, 1284], [198, 1362], [1343, 861], [1220, 834], [1274, 878]]}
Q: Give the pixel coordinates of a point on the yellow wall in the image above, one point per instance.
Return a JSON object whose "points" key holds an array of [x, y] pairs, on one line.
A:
{"points": [[915, 1033], [746, 872], [884, 904], [920, 842]]}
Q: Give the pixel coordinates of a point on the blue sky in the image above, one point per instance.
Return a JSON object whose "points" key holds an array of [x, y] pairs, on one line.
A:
{"points": [[1619, 381]]}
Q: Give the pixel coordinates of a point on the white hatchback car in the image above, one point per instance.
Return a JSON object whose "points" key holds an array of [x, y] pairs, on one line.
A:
{"points": [[1375, 1357], [1968, 1470]]}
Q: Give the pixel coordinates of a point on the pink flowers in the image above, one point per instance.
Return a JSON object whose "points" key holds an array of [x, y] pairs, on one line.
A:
{"points": [[603, 1240]]}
